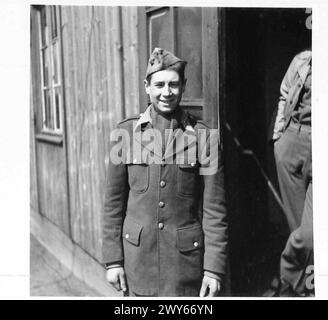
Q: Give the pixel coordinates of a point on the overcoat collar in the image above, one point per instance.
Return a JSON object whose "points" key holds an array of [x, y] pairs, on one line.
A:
{"points": [[182, 121], [182, 118]]}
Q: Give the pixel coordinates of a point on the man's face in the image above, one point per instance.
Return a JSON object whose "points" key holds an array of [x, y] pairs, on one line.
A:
{"points": [[165, 89]]}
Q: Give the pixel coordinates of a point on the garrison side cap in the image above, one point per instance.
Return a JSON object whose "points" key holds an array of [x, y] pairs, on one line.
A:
{"points": [[161, 59]]}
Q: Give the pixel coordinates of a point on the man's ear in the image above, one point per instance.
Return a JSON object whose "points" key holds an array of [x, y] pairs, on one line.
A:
{"points": [[184, 85], [146, 86]]}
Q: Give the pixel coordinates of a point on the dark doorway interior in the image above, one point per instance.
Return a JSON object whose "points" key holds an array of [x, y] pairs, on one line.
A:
{"points": [[260, 44]]}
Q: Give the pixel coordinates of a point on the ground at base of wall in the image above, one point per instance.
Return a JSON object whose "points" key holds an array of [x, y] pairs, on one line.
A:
{"points": [[48, 277]]}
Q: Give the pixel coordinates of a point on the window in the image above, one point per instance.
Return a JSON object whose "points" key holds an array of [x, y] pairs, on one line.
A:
{"points": [[50, 62]]}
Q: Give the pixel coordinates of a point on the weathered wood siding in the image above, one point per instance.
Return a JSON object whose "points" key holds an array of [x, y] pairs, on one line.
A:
{"points": [[33, 172], [101, 87]]}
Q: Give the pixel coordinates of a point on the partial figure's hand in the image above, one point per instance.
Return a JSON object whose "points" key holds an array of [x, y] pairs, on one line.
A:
{"points": [[210, 287], [116, 277]]}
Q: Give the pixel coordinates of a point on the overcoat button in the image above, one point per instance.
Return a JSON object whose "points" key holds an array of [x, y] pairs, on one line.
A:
{"points": [[162, 183], [196, 244], [127, 236], [161, 204], [161, 225]]}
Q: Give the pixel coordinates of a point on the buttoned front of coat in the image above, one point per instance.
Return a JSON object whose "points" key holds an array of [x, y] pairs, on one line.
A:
{"points": [[165, 221]]}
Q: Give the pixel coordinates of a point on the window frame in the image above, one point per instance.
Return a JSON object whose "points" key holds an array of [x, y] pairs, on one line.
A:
{"points": [[51, 43]]}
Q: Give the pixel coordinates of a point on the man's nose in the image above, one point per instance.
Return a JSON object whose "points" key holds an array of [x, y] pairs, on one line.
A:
{"points": [[166, 90]]}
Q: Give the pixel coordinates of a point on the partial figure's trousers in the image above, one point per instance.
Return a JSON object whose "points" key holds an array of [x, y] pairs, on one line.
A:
{"points": [[294, 167]]}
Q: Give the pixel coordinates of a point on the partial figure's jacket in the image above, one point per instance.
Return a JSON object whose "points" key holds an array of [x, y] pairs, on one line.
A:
{"points": [[290, 90]]}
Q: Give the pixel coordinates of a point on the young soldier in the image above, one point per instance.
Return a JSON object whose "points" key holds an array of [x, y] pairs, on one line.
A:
{"points": [[164, 227]]}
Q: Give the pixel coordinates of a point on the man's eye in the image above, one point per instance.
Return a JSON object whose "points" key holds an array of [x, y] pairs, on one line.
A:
{"points": [[174, 84], [159, 84]]}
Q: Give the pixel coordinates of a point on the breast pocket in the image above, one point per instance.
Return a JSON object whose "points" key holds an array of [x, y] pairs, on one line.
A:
{"points": [[188, 177], [138, 177]]}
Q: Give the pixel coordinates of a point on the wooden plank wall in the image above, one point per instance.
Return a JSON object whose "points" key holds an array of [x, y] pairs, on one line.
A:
{"points": [[34, 92], [33, 172], [34, 202], [101, 87]]}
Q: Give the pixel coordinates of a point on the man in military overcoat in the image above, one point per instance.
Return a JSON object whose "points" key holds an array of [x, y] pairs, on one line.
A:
{"points": [[164, 225]]}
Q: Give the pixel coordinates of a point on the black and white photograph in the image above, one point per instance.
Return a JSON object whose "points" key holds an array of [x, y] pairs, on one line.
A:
{"points": [[154, 225], [170, 151]]}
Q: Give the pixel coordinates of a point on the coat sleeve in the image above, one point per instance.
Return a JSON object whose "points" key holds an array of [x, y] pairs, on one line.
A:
{"points": [[214, 222], [285, 86], [116, 195]]}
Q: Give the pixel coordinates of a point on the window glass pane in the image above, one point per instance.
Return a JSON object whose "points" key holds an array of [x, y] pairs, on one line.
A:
{"points": [[45, 101], [46, 107], [57, 108], [43, 26], [189, 48], [48, 110], [45, 61], [53, 22], [50, 121], [55, 62], [160, 34]]}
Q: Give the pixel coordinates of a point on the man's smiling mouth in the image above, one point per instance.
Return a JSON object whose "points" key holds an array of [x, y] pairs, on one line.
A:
{"points": [[166, 101]]}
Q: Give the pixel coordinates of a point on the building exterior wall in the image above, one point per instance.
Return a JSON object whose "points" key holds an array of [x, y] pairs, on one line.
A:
{"points": [[100, 77]]}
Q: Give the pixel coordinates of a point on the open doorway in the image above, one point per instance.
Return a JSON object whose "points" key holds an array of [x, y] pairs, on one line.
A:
{"points": [[259, 45]]}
